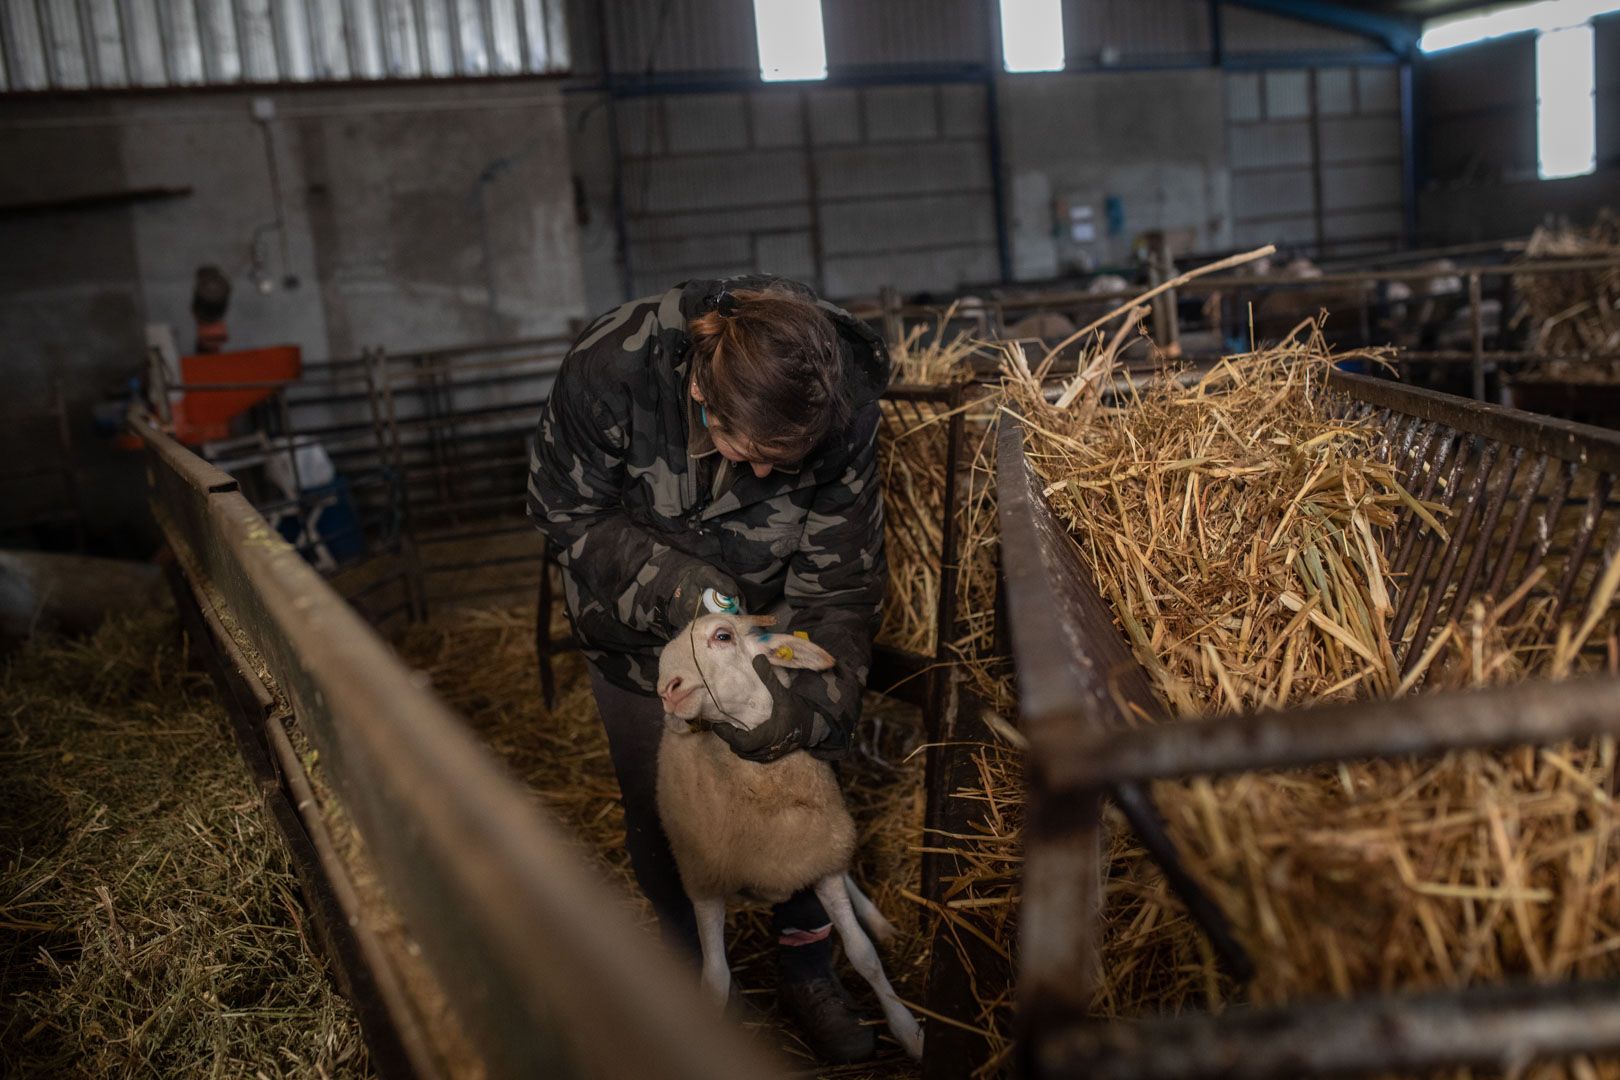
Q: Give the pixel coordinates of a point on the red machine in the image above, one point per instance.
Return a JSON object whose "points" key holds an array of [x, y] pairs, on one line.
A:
{"points": [[203, 415]]}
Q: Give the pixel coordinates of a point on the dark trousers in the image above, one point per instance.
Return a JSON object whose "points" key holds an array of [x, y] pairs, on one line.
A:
{"points": [[635, 724]]}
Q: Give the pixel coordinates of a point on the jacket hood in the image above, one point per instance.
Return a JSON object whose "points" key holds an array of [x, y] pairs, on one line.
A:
{"points": [[866, 358]]}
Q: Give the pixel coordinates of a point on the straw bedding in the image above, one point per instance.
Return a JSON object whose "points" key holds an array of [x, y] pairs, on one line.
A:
{"points": [[482, 662], [151, 926]]}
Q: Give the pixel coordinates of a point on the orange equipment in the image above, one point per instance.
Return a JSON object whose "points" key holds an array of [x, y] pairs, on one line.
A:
{"points": [[203, 415]]}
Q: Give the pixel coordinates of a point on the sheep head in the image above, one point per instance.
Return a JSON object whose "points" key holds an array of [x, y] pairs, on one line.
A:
{"points": [[706, 671]]}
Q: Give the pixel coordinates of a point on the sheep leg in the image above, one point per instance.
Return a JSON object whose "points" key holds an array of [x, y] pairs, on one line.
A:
{"points": [[881, 929], [858, 947], [711, 926]]}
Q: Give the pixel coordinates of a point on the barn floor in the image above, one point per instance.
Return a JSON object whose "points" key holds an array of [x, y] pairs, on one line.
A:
{"points": [[149, 924], [482, 662]]}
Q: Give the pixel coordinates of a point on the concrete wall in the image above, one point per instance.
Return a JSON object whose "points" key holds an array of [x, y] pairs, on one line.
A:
{"points": [[856, 188], [412, 217], [1153, 141], [1317, 158], [849, 189], [1477, 141]]}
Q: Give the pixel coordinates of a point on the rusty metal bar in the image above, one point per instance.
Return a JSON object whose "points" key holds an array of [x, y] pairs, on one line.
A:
{"points": [[1495, 1028], [1546, 527], [961, 968], [1459, 529], [1531, 713], [1595, 504], [534, 953], [1409, 532], [1584, 444], [1412, 579], [1521, 517], [950, 557], [1495, 501], [1477, 328]]}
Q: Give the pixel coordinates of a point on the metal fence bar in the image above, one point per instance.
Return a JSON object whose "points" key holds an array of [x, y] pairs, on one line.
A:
{"points": [[1487, 1027]]}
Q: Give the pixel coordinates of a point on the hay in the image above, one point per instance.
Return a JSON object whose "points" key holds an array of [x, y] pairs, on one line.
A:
{"points": [[1577, 311], [1223, 516], [1235, 526], [1238, 528], [913, 442], [482, 662], [912, 454], [152, 926]]}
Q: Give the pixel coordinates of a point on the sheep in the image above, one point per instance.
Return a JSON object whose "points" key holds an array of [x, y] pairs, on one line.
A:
{"points": [[768, 829]]}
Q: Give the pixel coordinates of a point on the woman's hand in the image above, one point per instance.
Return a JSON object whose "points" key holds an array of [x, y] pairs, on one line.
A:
{"points": [[788, 729]]}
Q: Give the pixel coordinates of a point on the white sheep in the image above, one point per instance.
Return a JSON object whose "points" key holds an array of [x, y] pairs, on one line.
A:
{"points": [[769, 829]]}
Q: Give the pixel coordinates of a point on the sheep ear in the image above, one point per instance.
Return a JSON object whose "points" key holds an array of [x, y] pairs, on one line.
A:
{"points": [[791, 651], [757, 620]]}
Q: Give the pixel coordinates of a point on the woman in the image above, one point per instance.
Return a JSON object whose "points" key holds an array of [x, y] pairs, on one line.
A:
{"points": [[721, 436]]}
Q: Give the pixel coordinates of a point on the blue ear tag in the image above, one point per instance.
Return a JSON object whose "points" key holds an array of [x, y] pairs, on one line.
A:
{"points": [[703, 412]]}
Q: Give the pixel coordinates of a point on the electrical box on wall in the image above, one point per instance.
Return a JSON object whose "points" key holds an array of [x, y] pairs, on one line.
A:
{"points": [[1075, 231]]}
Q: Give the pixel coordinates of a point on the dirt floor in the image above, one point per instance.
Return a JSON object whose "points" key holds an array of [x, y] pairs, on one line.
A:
{"points": [[149, 924], [482, 662]]}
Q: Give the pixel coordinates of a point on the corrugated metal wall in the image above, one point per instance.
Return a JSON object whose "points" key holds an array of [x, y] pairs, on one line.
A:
{"points": [[1250, 33], [906, 33], [686, 37], [91, 44], [656, 37], [1103, 33], [1316, 157], [849, 189], [105, 44]]}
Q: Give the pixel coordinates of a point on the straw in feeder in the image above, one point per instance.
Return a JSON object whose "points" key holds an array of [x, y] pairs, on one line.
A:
{"points": [[1575, 311]]}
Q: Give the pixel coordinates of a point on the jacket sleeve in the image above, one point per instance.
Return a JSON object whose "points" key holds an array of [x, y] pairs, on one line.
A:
{"points": [[835, 586], [575, 478]]}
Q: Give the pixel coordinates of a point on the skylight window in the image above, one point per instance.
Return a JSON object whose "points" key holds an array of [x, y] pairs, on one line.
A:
{"points": [[1566, 103], [1032, 35], [1566, 73], [792, 46], [1541, 16]]}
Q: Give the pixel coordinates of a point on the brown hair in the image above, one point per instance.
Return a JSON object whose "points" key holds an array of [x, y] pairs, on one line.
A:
{"points": [[769, 368]]}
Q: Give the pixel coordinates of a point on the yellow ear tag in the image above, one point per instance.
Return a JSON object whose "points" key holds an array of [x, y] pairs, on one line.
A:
{"points": [[784, 652], [801, 634]]}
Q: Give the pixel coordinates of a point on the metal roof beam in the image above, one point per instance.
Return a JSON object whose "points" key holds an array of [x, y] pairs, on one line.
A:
{"points": [[1397, 33]]}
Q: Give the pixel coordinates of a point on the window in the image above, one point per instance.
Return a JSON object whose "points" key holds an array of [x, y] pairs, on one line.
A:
{"points": [[1032, 35], [1566, 103], [791, 43], [1566, 73], [1449, 33]]}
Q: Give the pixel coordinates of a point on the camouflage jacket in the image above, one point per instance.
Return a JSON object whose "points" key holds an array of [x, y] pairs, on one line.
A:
{"points": [[629, 493]]}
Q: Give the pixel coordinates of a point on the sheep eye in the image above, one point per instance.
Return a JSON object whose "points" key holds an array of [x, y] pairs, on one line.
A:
{"points": [[722, 635]]}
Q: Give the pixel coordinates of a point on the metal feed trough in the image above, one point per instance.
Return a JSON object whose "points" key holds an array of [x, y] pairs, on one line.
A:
{"points": [[1524, 492]]}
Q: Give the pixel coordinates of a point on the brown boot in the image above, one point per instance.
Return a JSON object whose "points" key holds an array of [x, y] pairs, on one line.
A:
{"points": [[825, 1016]]}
